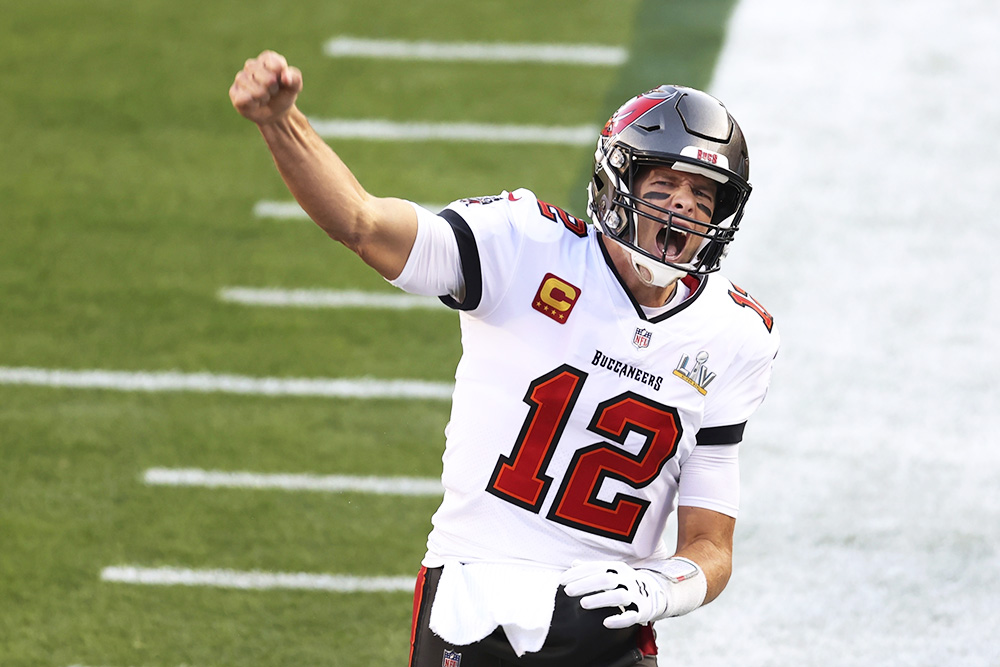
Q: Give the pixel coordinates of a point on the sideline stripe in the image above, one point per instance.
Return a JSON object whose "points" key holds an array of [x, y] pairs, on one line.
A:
{"points": [[228, 384], [499, 52], [325, 298], [385, 130], [402, 486], [290, 210], [254, 580]]}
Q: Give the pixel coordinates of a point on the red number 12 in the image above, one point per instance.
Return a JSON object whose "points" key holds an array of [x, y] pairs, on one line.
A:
{"points": [[520, 478]]}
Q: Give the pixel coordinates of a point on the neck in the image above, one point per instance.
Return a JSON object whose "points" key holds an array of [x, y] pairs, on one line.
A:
{"points": [[647, 295]]}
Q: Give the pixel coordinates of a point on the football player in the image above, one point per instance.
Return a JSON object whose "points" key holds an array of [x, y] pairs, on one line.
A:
{"points": [[606, 378]]}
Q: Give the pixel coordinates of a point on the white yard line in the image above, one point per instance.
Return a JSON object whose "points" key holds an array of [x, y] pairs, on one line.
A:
{"points": [[287, 210], [384, 130], [290, 210], [497, 52], [254, 580], [229, 384], [326, 298], [194, 477]]}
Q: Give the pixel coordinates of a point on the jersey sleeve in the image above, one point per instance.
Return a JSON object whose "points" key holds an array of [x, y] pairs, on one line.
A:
{"points": [[490, 232], [433, 267], [742, 388]]}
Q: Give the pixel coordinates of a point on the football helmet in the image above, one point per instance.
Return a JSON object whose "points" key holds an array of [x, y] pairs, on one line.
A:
{"points": [[686, 130]]}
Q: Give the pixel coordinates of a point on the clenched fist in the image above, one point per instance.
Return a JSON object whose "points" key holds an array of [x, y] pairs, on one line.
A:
{"points": [[266, 88]]}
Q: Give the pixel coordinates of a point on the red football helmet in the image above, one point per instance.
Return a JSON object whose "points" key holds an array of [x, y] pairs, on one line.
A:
{"points": [[686, 130]]}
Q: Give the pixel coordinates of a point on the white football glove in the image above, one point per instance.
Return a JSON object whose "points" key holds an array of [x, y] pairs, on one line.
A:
{"points": [[641, 595]]}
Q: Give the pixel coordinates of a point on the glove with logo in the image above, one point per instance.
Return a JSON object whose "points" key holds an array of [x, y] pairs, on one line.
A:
{"points": [[641, 595]]}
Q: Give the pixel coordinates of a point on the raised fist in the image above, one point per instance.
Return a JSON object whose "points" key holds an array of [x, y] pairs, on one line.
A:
{"points": [[266, 88]]}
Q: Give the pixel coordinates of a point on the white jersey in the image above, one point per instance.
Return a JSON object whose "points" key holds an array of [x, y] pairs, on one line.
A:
{"points": [[574, 412]]}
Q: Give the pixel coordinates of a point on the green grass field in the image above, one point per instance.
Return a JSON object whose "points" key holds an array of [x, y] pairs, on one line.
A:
{"points": [[126, 198]]}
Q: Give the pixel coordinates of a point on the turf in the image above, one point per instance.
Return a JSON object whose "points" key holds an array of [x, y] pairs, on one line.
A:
{"points": [[127, 192]]}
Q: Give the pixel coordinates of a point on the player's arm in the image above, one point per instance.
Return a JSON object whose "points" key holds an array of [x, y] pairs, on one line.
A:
{"points": [[692, 577], [705, 537], [702, 564], [380, 230]]}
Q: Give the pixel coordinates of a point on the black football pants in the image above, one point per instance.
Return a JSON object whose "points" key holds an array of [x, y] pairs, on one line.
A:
{"points": [[577, 638]]}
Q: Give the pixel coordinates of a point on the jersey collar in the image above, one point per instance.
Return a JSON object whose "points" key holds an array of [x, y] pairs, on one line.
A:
{"points": [[695, 284]]}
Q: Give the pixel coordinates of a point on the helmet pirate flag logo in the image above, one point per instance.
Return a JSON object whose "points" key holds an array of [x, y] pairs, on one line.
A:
{"points": [[634, 109]]}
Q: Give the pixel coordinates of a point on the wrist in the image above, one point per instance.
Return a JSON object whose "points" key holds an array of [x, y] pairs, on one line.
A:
{"points": [[281, 121], [685, 586]]}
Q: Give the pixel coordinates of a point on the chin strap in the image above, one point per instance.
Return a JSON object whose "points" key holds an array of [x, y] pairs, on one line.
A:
{"points": [[652, 273]]}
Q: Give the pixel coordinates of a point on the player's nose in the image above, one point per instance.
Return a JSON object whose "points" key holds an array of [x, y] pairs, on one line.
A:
{"points": [[682, 200]]}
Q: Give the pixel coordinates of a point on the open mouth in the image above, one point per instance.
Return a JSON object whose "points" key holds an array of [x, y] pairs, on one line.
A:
{"points": [[670, 242]]}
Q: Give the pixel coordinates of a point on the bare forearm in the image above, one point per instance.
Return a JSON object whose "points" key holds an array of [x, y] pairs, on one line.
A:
{"points": [[318, 179], [716, 563], [381, 231], [706, 537]]}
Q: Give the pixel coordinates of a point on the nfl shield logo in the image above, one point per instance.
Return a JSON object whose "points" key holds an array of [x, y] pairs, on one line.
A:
{"points": [[641, 338], [451, 659]]}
